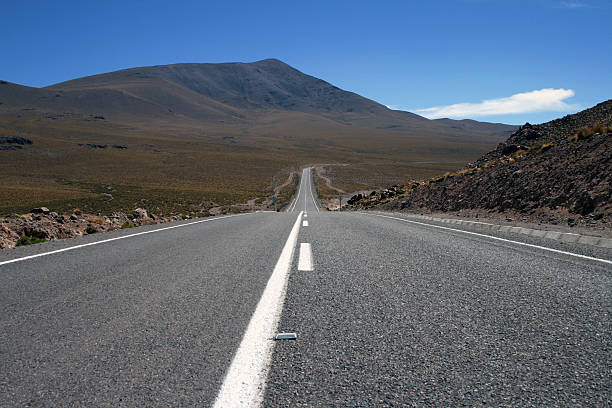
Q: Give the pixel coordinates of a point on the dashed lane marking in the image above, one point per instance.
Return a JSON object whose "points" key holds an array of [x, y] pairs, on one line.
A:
{"points": [[305, 260]]}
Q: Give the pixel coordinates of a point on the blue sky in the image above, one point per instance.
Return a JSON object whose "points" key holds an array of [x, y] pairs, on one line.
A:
{"points": [[413, 55]]}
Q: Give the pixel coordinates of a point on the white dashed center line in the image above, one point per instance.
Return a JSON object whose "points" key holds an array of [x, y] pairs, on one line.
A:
{"points": [[304, 223], [305, 260]]}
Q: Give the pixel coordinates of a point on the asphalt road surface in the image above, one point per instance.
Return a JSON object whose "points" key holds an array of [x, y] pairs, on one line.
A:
{"points": [[387, 312]]}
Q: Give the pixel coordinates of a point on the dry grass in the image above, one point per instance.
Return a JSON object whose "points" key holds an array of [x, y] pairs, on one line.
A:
{"points": [[170, 170], [96, 220], [285, 193], [519, 153], [546, 146], [586, 132], [323, 190]]}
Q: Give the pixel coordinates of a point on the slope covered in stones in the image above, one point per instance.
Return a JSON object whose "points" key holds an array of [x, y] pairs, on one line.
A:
{"points": [[555, 172]]}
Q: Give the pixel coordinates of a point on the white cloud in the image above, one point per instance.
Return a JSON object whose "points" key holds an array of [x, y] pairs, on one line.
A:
{"points": [[573, 4], [543, 100]]}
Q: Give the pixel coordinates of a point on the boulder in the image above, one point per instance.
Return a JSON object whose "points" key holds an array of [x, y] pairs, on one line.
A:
{"points": [[355, 198], [140, 213], [15, 140], [8, 237], [40, 210]]}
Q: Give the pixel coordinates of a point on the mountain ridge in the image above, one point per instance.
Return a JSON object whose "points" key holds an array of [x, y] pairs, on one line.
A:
{"points": [[234, 91]]}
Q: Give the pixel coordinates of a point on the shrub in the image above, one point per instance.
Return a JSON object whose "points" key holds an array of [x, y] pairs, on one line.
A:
{"points": [[519, 153], [586, 132], [91, 229], [77, 211], [597, 128], [490, 164], [469, 170], [29, 240], [96, 220], [546, 146], [126, 225]]}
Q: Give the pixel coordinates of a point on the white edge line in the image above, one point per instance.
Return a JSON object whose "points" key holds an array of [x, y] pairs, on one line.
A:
{"points": [[495, 238], [116, 238], [244, 382]]}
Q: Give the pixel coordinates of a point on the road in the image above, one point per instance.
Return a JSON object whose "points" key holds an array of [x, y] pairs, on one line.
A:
{"points": [[387, 312]]}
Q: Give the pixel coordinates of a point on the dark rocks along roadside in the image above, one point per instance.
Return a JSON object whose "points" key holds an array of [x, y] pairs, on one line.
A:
{"points": [[13, 142], [42, 224], [559, 172]]}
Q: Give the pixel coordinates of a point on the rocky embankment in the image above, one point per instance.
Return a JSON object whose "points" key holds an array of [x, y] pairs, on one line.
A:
{"points": [[41, 224], [556, 172], [44, 225]]}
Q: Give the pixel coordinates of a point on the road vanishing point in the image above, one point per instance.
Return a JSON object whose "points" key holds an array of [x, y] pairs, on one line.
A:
{"points": [[305, 308]]}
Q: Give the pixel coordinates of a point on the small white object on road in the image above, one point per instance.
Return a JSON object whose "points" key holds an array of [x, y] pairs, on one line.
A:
{"points": [[304, 223], [286, 336]]}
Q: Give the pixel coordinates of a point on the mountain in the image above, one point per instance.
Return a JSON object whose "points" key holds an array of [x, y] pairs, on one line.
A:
{"points": [[233, 92], [555, 172], [181, 135]]}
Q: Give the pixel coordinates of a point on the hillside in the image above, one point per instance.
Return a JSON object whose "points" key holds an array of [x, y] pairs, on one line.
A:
{"points": [[233, 92], [555, 172], [221, 133]]}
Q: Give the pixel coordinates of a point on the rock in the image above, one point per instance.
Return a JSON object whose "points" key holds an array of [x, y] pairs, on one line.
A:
{"points": [[93, 145], [509, 149], [40, 210], [355, 198], [584, 204], [16, 140], [568, 184], [141, 213], [8, 237], [74, 217]]}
